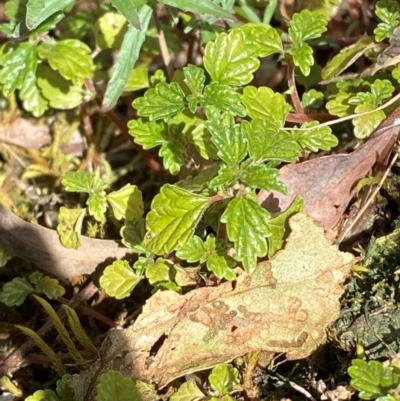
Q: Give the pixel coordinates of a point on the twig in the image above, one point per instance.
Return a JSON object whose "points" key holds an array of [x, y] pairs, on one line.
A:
{"points": [[13, 361], [293, 90], [301, 390]]}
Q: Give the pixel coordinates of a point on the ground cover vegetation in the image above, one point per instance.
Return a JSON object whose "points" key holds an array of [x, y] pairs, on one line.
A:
{"points": [[199, 200]]}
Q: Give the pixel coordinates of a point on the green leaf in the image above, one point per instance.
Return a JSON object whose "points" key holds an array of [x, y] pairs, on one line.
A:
{"points": [[193, 251], [133, 233], [247, 226], [71, 58], [266, 37], [138, 79], [5, 256], [116, 387], [388, 11], [188, 391], [277, 226], [313, 99], [31, 96], [226, 136], [127, 58], [59, 92], [369, 378], [17, 64], [127, 202], [158, 271], [35, 277], [205, 7], [263, 177], [224, 379], [346, 57], [43, 395], [200, 136], [303, 57], [317, 138], [173, 217], [306, 25], [265, 104], [50, 287], [128, 9], [266, 143], [223, 98], [109, 31], [15, 292], [70, 226], [82, 181], [15, 9], [230, 59], [366, 125], [227, 176], [148, 134], [38, 11], [64, 391], [97, 205], [381, 89], [162, 102], [118, 279], [221, 265], [173, 156], [194, 79]]}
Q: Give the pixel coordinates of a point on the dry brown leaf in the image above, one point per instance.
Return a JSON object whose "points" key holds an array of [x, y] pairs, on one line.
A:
{"points": [[25, 133], [327, 184], [285, 307], [42, 246]]}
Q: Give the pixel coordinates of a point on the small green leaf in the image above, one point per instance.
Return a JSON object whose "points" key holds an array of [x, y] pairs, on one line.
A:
{"points": [[313, 99], [317, 138], [127, 58], [70, 226], [263, 177], [15, 292], [172, 153], [227, 176], [38, 11], [381, 89], [59, 92], [266, 143], [266, 37], [221, 265], [64, 391], [127, 202], [277, 226], [388, 11], [17, 64], [35, 277], [128, 9], [43, 395], [5, 256], [138, 79], [50, 287], [118, 279], [32, 98], [194, 79], [109, 31], [224, 379], [247, 226], [224, 98], [162, 102], [82, 181], [193, 251], [173, 217], [148, 134], [366, 124], [306, 25], [158, 271], [200, 136], [264, 103], [188, 391], [230, 59], [133, 233], [226, 136], [72, 59], [205, 7], [116, 387], [303, 57], [97, 205], [346, 57]]}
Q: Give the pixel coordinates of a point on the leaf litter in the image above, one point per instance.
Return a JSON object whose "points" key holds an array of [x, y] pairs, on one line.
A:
{"points": [[285, 306]]}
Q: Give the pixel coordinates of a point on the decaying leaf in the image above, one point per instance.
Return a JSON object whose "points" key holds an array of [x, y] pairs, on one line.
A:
{"points": [[284, 306]]}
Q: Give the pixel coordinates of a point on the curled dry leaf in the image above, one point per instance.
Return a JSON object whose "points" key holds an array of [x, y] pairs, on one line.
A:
{"points": [[284, 306], [42, 246]]}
